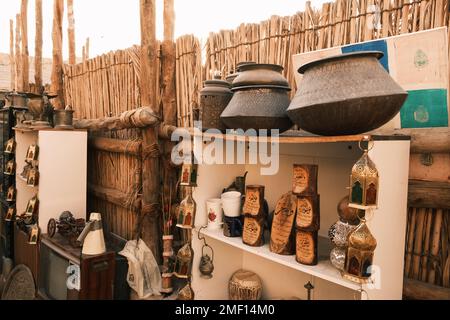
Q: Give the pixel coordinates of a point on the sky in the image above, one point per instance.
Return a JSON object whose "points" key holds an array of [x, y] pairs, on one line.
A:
{"points": [[114, 24]]}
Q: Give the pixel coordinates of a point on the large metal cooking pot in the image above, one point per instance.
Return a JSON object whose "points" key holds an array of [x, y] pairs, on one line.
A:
{"points": [[346, 94], [260, 99]]}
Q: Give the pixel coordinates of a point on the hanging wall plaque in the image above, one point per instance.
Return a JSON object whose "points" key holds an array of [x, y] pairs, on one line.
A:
{"points": [[282, 238], [308, 213], [306, 247], [305, 179], [253, 231], [254, 200], [10, 146]]}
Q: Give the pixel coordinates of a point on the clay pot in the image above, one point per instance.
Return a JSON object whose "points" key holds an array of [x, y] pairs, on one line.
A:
{"points": [[260, 99], [346, 94]]}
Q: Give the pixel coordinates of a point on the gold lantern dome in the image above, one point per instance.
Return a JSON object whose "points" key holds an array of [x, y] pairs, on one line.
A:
{"points": [[360, 252], [364, 184]]}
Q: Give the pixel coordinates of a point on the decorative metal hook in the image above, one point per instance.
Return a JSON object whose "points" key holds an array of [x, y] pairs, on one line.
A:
{"points": [[202, 237]]}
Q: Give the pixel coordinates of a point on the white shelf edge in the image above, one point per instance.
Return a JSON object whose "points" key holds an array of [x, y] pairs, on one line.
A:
{"points": [[324, 270]]}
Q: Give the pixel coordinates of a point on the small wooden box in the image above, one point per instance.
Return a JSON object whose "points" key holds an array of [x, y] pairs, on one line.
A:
{"points": [[282, 238], [254, 201], [253, 231], [307, 247], [305, 179], [308, 213]]}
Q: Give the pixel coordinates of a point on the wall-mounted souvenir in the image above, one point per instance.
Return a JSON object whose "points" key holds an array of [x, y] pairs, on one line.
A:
{"points": [[364, 183], [34, 235], [308, 212], [232, 226], [26, 171], [307, 247], [10, 147], [254, 200], [10, 168], [183, 264], [11, 195], [33, 177], [282, 237], [32, 153], [360, 252], [305, 179], [10, 214], [186, 294], [245, 286], [253, 231], [186, 212], [32, 206], [189, 174]]}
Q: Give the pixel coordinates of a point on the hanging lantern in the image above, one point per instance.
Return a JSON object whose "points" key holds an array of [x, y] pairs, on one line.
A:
{"points": [[186, 294], [364, 183], [186, 212], [183, 265], [361, 247]]}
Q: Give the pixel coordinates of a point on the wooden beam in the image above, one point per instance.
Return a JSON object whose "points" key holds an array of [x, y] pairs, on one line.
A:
{"points": [[19, 79], [12, 59], [57, 65], [151, 233], [38, 48], [25, 53], [71, 32], [129, 147], [116, 197], [426, 194], [429, 140], [137, 118], [418, 290]]}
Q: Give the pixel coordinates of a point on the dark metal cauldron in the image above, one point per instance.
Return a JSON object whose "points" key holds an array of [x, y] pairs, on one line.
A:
{"points": [[346, 94], [260, 99], [214, 98]]}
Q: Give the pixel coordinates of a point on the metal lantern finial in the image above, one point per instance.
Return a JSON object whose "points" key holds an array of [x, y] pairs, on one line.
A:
{"points": [[360, 252], [364, 183]]}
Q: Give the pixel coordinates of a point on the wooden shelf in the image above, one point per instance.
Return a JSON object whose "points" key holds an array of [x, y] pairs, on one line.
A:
{"points": [[324, 270], [299, 137]]}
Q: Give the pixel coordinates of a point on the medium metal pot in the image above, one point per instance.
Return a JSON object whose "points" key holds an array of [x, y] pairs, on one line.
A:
{"points": [[346, 94], [63, 119], [260, 99], [233, 76], [214, 98], [16, 99]]}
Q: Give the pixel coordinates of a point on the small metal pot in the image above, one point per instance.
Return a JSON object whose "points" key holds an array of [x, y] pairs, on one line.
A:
{"points": [[63, 119], [260, 99]]}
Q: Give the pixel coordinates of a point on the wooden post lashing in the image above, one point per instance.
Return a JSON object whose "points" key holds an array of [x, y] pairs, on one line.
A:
{"points": [[71, 32], [57, 65], [25, 53], [150, 166], [38, 48]]}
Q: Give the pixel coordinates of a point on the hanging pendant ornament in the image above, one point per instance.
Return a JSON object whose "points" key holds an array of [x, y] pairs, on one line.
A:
{"points": [[186, 211], [183, 264], [189, 172], [364, 181], [360, 252]]}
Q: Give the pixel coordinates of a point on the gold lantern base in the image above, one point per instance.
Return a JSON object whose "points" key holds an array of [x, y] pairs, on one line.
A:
{"points": [[355, 279]]}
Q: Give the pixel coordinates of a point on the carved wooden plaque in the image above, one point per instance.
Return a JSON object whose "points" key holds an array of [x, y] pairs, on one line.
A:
{"points": [[308, 213], [282, 239], [254, 201], [306, 247], [305, 179], [253, 231]]}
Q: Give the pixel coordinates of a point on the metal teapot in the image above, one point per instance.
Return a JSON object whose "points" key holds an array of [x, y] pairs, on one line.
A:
{"points": [[238, 184]]}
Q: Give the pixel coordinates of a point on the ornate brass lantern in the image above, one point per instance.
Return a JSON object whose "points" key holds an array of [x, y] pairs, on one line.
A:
{"points": [[364, 183], [183, 265], [361, 248]]}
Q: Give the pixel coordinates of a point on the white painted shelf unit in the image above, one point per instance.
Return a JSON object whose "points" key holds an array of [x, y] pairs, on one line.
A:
{"points": [[62, 173], [282, 276]]}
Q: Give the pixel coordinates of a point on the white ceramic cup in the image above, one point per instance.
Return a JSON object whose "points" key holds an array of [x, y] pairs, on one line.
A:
{"points": [[231, 203], [214, 213]]}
